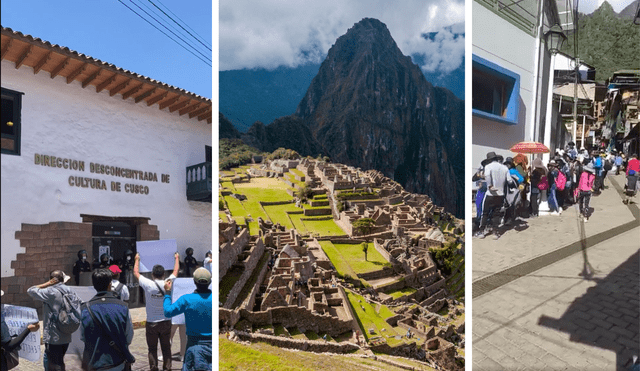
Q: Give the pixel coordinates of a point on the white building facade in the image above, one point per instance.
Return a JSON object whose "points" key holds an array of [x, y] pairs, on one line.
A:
{"points": [[93, 156], [512, 75]]}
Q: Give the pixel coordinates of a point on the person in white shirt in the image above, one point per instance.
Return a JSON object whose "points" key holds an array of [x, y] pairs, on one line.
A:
{"points": [[208, 261], [118, 287], [495, 174], [158, 327]]}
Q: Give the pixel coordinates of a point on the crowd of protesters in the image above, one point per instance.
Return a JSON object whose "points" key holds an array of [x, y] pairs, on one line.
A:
{"points": [[570, 177], [105, 323]]}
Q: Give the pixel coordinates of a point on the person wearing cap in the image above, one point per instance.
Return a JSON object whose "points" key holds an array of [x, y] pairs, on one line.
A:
{"points": [[495, 174], [585, 185], [56, 342], [512, 195], [197, 309], [119, 288], [158, 326]]}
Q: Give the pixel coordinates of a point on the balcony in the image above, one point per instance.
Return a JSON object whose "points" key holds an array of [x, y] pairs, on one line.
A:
{"points": [[199, 182]]}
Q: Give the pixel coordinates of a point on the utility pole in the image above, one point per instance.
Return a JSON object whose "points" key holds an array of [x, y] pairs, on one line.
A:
{"points": [[575, 101]]}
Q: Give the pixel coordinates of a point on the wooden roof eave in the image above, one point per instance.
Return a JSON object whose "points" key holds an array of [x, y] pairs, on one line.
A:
{"points": [[41, 55]]}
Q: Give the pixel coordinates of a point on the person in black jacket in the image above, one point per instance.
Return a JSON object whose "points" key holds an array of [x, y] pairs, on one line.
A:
{"points": [[10, 343], [81, 265], [106, 328], [190, 263]]}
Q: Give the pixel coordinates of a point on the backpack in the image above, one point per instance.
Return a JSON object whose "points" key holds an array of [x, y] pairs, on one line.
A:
{"points": [[118, 289], [543, 184], [68, 318], [607, 165], [597, 162], [561, 181]]}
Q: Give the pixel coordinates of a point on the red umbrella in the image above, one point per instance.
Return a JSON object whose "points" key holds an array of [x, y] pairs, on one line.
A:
{"points": [[530, 147]]}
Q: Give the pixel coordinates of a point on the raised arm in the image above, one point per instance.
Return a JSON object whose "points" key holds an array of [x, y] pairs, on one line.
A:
{"points": [[176, 266], [136, 266]]}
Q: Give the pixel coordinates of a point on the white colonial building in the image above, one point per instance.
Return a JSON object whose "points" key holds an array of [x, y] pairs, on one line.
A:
{"points": [[94, 155]]}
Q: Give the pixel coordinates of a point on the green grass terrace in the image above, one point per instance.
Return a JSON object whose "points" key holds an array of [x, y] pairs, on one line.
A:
{"points": [[348, 259], [288, 215]]}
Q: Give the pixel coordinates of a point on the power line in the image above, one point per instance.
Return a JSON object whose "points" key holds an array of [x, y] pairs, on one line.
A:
{"points": [[161, 24], [206, 60], [174, 21]]}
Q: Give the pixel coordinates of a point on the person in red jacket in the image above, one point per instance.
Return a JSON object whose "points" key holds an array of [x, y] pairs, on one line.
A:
{"points": [[633, 164]]}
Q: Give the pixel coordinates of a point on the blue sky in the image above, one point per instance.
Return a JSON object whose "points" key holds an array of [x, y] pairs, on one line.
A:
{"points": [[108, 31]]}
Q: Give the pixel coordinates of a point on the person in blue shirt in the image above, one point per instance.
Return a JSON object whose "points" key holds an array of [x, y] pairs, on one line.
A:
{"points": [[197, 309], [618, 162]]}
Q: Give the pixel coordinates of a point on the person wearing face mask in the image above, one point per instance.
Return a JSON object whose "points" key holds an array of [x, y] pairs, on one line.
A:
{"points": [[82, 265]]}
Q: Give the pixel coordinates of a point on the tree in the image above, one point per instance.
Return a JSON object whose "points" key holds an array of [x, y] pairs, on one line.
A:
{"points": [[365, 247], [363, 225], [304, 193]]}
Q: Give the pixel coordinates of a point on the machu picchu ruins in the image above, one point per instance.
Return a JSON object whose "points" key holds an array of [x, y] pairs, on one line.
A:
{"points": [[328, 258]]}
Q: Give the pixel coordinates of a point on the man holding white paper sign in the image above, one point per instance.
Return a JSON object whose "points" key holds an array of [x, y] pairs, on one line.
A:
{"points": [[158, 327]]}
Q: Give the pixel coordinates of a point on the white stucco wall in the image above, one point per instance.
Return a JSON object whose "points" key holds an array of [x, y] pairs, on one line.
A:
{"points": [[502, 43], [67, 121]]}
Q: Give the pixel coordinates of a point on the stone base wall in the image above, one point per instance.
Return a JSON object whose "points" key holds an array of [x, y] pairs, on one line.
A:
{"points": [[316, 346], [49, 247]]}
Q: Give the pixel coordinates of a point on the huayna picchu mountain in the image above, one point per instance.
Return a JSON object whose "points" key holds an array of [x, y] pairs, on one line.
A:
{"points": [[369, 106]]}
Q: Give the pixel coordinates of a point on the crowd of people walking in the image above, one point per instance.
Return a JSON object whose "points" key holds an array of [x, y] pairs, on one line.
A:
{"points": [[570, 177]]}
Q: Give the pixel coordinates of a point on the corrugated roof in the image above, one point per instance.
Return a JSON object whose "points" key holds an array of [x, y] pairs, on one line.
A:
{"points": [[41, 55]]}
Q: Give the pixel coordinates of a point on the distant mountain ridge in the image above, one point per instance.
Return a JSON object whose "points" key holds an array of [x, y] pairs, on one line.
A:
{"points": [[607, 40], [369, 106], [251, 95]]}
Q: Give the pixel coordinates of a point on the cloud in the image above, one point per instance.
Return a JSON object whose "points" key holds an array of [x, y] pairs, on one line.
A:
{"points": [[269, 34]]}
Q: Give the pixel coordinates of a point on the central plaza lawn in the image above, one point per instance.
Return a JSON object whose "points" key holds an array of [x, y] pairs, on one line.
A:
{"points": [[355, 256]]}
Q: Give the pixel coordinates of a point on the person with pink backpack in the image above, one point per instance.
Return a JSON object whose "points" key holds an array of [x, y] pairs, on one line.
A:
{"points": [[585, 185], [552, 175]]}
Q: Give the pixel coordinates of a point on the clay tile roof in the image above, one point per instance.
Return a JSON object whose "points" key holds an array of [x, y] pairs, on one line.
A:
{"points": [[41, 55]]}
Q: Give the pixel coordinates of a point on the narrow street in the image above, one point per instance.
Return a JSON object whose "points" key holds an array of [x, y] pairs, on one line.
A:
{"points": [[560, 294]]}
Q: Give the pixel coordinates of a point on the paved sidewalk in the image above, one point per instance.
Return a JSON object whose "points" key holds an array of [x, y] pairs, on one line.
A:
{"points": [[536, 305]]}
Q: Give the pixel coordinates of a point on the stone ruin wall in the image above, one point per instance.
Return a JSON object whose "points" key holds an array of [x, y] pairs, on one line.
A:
{"points": [[316, 346], [251, 300], [385, 254], [256, 253], [300, 317], [229, 251], [440, 294]]}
